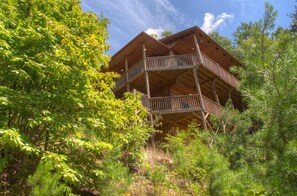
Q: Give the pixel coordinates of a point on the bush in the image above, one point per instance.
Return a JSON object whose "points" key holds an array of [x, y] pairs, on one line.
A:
{"points": [[45, 181]]}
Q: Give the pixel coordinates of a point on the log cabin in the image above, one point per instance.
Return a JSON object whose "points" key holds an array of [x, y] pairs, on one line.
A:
{"points": [[183, 77]]}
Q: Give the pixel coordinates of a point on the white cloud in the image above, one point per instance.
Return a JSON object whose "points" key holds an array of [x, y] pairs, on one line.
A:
{"points": [[167, 5], [157, 31], [211, 22], [130, 17]]}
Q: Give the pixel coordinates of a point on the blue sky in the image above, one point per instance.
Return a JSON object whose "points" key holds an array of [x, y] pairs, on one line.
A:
{"points": [[129, 17]]}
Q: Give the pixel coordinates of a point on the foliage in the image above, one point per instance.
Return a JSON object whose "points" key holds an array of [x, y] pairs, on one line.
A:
{"points": [[154, 35], [268, 79], [197, 159], [269, 85], [293, 26], [225, 42], [45, 181], [114, 177], [232, 134], [166, 34], [163, 35], [63, 132], [189, 165], [55, 103], [198, 163]]}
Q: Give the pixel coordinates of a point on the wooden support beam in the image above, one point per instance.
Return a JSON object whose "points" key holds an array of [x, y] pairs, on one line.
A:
{"points": [[200, 97], [198, 87], [147, 84], [197, 81], [198, 49], [214, 90], [127, 75]]}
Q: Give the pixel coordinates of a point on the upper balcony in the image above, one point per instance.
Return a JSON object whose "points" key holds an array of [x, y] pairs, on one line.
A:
{"points": [[175, 62]]}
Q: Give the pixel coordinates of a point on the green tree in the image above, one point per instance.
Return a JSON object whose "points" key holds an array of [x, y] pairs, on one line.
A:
{"points": [[45, 181], [154, 35], [269, 85], [163, 35], [263, 154], [293, 26], [166, 34], [55, 104], [225, 42]]}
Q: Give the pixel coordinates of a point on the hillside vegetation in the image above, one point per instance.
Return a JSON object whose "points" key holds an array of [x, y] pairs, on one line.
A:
{"points": [[62, 131]]}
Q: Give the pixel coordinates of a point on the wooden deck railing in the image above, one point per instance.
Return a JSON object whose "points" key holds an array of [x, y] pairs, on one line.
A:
{"points": [[177, 62], [179, 104], [171, 104], [219, 71], [170, 62], [135, 71], [211, 106]]}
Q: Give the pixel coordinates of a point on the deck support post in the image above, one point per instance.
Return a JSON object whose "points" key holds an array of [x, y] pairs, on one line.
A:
{"points": [[200, 97], [197, 81], [147, 84], [127, 75], [215, 93], [198, 49]]}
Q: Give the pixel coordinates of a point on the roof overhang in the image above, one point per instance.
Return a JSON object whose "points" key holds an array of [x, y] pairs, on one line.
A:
{"points": [[203, 37], [151, 44]]}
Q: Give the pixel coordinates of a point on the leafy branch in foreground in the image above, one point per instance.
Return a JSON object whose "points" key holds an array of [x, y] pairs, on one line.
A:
{"points": [[55, 103]]}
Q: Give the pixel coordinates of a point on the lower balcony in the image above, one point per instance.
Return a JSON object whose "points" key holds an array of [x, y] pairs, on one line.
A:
{"points": [[179, 104]]}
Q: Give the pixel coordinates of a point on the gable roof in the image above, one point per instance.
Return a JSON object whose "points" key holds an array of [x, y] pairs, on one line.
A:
{"points": [[133, 49]]}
